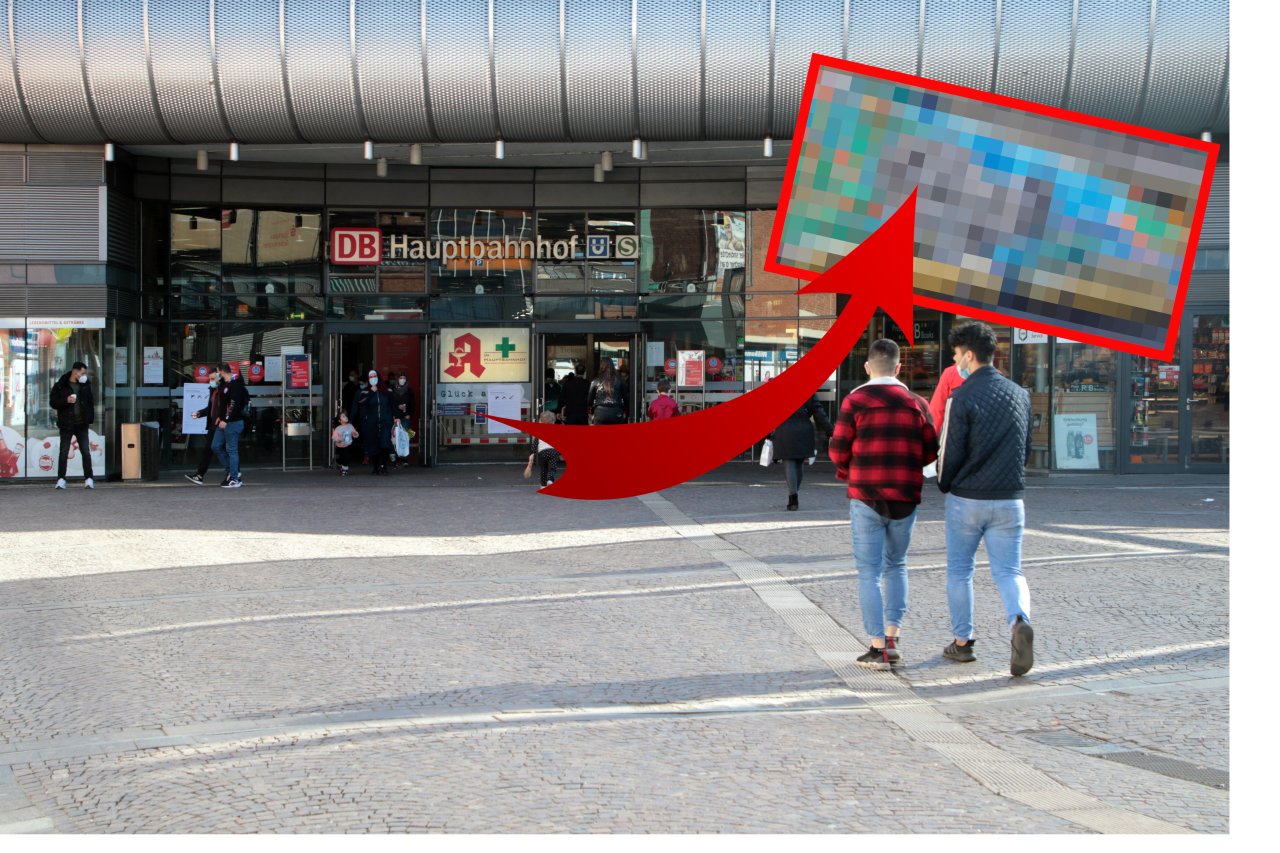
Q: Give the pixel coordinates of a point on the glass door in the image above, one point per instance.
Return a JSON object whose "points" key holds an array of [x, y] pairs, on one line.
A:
{"points": [[1179, 410], [1206, 420]]}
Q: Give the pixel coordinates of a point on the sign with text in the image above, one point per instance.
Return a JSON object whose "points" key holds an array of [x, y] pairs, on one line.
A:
{"points": [[692, 367], [503, 401], [195, 396], [484, 355], [297, 372], [1075, 441]]}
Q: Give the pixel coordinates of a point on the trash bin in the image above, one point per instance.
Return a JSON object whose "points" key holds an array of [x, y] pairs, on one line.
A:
{"points": [[139, 452]]}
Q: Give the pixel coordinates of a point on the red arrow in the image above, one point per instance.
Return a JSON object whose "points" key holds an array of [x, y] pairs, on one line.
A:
{"points": [[625, 460]]}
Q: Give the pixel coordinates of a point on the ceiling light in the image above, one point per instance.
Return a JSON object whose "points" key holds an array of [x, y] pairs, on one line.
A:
{"points": [[500, 149], [202, 160], [637, 149], [768, 146], [597, 173], [606, 161], [382, 167], [415, 154], [235, 151], [1206, 136], [368, 149], [109, 152]]}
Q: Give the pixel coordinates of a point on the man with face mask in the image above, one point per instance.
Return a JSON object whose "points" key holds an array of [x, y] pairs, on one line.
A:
{"points": [[376, 420], [229, 424], [209, 413], [985, 445], [72, 399]]}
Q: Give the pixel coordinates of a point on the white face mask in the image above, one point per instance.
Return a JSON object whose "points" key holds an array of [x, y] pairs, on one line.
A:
{"points": [[404, 381], [373, 381], [84, 377], [213, 383]]}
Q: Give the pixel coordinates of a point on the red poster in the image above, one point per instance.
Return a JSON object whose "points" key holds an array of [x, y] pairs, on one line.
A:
{"points": [[298, 372]]}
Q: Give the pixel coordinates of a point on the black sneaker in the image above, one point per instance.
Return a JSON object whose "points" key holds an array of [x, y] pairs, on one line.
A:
{"points": [[874, 658], [961, 654], [1023, 654], [196, 478], [225, 480]]}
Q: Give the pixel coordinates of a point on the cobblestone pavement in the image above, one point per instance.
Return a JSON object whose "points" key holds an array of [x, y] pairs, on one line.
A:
{"points": [[447, 650]]}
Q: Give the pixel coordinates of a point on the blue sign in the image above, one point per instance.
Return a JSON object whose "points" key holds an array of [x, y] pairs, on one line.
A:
{"points": [[452, 410], [597, 245], [791, 355], [481, 411], [757, 355]]}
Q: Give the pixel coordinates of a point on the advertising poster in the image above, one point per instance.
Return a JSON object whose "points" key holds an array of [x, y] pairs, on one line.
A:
{"points": [[122, 366], [692, 364], [195, 396], [297, 369], [13, 459], [504, 401], [1075, 441], [42, 457], [274, 369], [153, 365]]}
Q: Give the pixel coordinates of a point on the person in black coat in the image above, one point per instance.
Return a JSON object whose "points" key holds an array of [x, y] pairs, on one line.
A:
{"points": [[794, 443], [72, 399], [574, 400], [608, 396], [210, 415], [376, 420], [403, 406]]}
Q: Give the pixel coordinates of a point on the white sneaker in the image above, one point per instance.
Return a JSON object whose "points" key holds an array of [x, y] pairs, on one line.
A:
{"points": [[62, 484], [88, 484]]}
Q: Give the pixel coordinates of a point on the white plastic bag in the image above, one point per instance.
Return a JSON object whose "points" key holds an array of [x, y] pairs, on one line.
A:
{"points": [[400, 440], [766, 453]]}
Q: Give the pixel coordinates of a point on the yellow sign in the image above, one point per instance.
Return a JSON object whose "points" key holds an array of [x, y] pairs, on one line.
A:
{"points": [[484, 355]]}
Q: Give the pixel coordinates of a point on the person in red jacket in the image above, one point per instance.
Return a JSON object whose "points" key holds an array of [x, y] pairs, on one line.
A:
{"points": [[882, 440], [664, 406], [950, 381]]}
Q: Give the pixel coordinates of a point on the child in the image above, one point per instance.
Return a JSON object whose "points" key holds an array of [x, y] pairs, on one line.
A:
{"points": [[665, 405], [343, 435], [548, 457]]}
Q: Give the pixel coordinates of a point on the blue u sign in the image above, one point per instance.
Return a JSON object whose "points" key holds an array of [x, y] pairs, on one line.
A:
{"points": [[598, 246]]}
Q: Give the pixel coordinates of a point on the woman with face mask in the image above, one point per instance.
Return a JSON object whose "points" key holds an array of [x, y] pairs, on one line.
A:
{"points": [[376, 420], [210, 427], [403, 402]]}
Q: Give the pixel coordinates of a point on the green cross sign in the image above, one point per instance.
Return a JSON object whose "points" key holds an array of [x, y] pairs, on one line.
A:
{"points": [[506, 347]]}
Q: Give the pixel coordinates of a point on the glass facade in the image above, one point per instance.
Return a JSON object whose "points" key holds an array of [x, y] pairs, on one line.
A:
{"points": [[251, 285]]}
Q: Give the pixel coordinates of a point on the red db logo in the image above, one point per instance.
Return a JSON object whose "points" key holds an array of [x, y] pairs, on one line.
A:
{"points": [[355, 246]]}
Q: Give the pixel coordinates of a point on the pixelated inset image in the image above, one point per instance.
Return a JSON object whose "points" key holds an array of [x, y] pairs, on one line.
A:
{"points": [[1029, 215]]}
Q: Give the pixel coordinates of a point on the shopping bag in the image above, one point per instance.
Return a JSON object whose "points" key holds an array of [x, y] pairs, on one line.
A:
{"points": [[766, 453], [400, 440]]}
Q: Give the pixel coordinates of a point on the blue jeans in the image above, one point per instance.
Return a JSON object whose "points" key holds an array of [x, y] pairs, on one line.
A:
{"points": [[999, 524], [880, 550], [226, 446]]}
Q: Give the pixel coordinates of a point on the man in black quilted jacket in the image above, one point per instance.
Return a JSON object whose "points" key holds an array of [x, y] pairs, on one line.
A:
{"points": [[984, 448]]}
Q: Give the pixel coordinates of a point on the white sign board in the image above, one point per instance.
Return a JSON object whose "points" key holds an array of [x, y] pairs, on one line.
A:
{"points": [[153, 365], [1075, 441], [273, 369], [504, 401], [195, 396], [122, 366], [1023, 336]]}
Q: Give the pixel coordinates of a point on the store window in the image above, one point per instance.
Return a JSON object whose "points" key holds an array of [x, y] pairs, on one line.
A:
{"points": [[32, 359], [268, 252], [723, 362], [1030, 369], [1210, 388], [402, 271], [693, 251], [1083, 429]]}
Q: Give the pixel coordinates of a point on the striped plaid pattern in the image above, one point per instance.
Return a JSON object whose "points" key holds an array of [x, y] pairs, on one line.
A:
{"points": [[884, 437]]}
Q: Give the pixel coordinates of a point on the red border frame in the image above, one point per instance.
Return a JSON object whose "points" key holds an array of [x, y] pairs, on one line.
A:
{"points": [[819, 61]]}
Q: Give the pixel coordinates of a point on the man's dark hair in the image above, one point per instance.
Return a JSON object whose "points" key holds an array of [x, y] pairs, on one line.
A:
{"points": [[79, 365], [884, 355], [664, 385], [223, 367], [978, 338]]}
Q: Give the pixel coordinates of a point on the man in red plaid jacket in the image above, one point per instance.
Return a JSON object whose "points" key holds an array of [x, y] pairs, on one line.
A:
{"points": [[883, 438]]}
